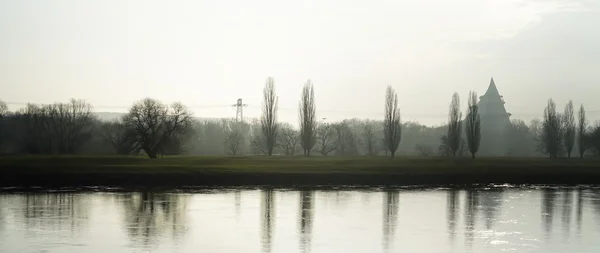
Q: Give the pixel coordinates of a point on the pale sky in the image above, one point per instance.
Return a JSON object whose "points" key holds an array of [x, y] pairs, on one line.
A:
{"points": [[207, 54]]}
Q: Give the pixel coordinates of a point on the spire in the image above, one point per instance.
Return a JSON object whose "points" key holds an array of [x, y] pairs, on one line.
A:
{"points": [[492, 90]]}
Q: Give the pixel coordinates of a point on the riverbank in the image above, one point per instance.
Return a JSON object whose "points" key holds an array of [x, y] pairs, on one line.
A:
{"points": [[119, 171]]}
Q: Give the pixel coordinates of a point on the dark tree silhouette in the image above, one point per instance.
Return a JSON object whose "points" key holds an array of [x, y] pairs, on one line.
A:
{"points": [[368, 134], [119, 136], [473, 125], [392, 129], [454, 125], [268, 120], [325, 139], [551, 130], [287, 138], [569, 128], [154, 123], [307, 117], [581, 133]]}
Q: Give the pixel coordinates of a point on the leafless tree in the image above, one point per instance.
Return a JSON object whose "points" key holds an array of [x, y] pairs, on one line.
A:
{"points": [[424, 150], [154, 123], [307, 115], [473, 125], [234, 136], [569, 127], [287, 138], [345, 141], [3, 112], [368, 133], [3, 109], [72, 124], [268, 119], [33, 130], [444, 148], [325, 139], [551, 130], [392, 129], [258, 141], [582, 126], [454, 124], [118, 135]]}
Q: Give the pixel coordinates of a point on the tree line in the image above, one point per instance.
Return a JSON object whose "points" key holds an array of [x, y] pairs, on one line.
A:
{"points": [[155, 129]]}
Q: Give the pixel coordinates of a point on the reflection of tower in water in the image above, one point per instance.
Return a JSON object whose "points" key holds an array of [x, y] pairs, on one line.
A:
{"points": [[268, 219], [306, 219], [390, 216]]}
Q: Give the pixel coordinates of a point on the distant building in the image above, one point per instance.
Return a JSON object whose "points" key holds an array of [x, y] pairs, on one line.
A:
{"points": [[495, 123]]}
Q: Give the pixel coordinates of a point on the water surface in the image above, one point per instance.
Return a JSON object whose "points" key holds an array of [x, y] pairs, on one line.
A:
{"points": [[496, 219]]}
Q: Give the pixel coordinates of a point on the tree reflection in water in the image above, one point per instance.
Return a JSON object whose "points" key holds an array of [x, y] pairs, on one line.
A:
{"points": [[390, 217], [472, 204], [306, 219], [548, 206], [268, 219], [150, 216], [452, 209], [64, 212]]}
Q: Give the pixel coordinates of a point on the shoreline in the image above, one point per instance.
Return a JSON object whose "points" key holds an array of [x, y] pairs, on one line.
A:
{"points": [[172, 172]]}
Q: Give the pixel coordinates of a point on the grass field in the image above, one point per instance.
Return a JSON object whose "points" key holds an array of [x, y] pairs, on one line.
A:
{"points": [[279, 170]]}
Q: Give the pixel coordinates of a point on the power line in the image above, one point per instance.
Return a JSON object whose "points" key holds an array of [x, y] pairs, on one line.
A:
{"points": [[335, 111]]}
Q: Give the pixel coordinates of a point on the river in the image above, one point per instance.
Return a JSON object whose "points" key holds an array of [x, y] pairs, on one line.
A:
{"points": [[490, 219]]}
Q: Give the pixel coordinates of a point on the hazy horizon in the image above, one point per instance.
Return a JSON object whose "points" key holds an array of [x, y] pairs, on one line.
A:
{"points": [[207, 54]]}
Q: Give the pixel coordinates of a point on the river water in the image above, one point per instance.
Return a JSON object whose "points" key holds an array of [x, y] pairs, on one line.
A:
{"points": [[493, 219]]}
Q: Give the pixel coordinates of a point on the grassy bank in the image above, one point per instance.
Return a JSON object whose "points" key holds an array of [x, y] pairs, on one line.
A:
{"points": [[289, 171]]}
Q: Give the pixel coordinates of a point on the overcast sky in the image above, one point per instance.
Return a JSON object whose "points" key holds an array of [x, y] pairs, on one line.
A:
{"points": [[207, 54]]}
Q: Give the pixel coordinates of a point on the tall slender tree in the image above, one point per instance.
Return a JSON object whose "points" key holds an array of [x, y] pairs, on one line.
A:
{"points": [[454, 124], [307, 115], [551, 130], [569, 128], [392, 129], [473, 125], [268, 120], [581, 133]]}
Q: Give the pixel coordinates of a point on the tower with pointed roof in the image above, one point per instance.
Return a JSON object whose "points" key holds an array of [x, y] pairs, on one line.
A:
{"points": [[495, 122]]}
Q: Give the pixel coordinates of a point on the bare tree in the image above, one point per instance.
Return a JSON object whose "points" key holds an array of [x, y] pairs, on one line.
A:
{"points": [[582, 126], [268, 120], [444, 148], [258, 141], [234, 137], [454, 125], [345, 141], [569, 127], [473, 125], [551, 130], [307, 115], [154, 123], [3, 112], [424, 150], [3, 109], [392, 129], [287, 138], [72, 124], [325, 139], [368, 133], [118, 135]]}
